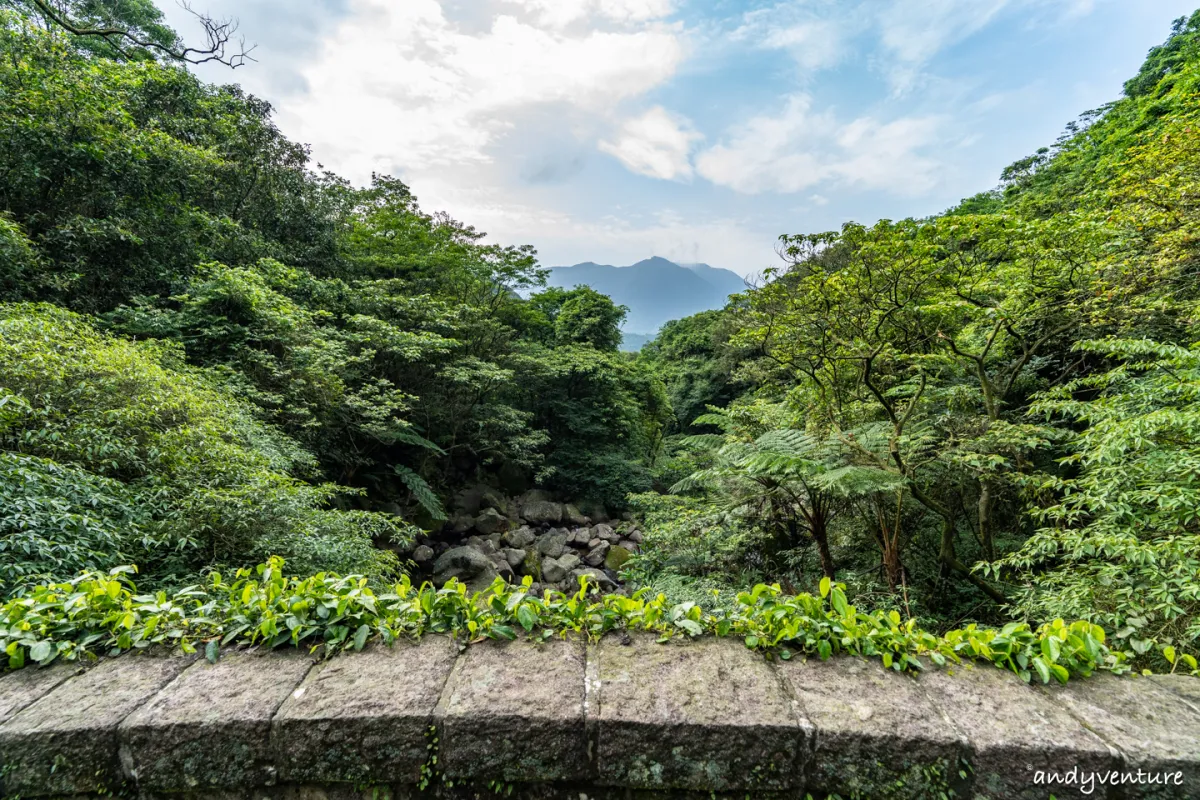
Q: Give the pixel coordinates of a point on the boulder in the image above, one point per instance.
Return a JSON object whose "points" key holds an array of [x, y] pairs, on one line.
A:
{"points": [[476, 498], [580, 536], [461, 523], [484, 546], [422, 554], [569, 561], [489, 521], [595, 577], [552, 571], [606, 533], [542, 512], [628, 544], [616, 558], [552, 544], [595, 556], [532, 565], [467, 564], [521, 537], [636, 536], [573, 516], [513, 556]]}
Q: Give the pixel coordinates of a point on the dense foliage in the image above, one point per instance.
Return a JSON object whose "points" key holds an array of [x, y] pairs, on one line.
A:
{"points": [[212, 354], [990, 413], [381, 357]]}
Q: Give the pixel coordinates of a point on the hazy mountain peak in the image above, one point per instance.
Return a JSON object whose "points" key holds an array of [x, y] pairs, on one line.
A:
{"points": [[656, 290]]}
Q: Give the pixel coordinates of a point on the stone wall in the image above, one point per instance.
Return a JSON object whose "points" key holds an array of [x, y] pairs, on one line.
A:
{"points": [[627, 717]]}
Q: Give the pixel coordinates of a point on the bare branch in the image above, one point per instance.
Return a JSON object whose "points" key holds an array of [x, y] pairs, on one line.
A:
{"points": [[219, 35]]}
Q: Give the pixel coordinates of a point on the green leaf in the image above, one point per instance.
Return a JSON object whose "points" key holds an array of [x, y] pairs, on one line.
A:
{"points": [[212, 651], [360, 636], [527, 617], [41, 651]]}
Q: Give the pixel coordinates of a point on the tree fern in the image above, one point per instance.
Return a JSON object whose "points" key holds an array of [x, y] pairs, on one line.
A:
{"points": [[421, 492]]}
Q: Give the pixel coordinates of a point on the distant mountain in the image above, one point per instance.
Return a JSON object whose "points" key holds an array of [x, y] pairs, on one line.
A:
{"points": [[655, 290]]}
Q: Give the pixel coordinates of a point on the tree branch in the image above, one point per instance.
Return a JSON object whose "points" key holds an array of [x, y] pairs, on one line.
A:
{"points": [[218, 33]]}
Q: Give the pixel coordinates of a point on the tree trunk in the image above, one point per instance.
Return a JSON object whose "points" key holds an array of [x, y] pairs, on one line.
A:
{"points": [[986, 535], [820, 535]]}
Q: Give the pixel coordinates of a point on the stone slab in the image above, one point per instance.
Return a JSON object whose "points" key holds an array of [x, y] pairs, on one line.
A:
{"points": [[1184, 686], [874, 729], [211, 726], [364, 717], [1015, 733], [1155, 730], [707, 714], [514, 712], [24, 687], [66, 742]]}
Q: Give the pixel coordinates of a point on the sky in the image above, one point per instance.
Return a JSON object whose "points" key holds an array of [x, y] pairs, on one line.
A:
{"points": [[696, 130]]}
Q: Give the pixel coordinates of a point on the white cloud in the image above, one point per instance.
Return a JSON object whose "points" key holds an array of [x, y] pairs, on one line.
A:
{"points": [[560, 13], [797, 149], [657, 144], [813, 42], [398, 86]]}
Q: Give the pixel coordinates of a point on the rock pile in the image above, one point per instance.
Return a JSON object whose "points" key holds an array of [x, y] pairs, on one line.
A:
{"points": [[553, 542]]}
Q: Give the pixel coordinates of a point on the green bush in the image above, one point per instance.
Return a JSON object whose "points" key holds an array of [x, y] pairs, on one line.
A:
{"points": [[112, 451], [101, 613]]}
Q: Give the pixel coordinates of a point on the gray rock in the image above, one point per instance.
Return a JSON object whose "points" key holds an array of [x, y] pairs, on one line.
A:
{"points": [[628, 544], [552, 544], [422, 554], [595, 556], [606, 533], [636, 536], [542, 512], [521, 537], [572, 515], [513, 555], [595, 542], [597, 577], [467, 564], [461, 523], [489, 521], [580, 537], [569, 561], [552, 571]]}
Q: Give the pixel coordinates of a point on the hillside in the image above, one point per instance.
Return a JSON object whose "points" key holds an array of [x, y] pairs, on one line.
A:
{"points": [[654, 290]]}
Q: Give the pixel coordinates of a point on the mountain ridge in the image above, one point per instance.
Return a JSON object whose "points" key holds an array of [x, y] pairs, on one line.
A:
{"points": [[655, 290]]}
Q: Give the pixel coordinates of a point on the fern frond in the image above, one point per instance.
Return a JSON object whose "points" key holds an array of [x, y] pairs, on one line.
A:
{"points": [[422, 492]]}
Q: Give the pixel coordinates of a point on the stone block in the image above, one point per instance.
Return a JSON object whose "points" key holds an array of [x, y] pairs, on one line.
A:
{"points": [[707, 714], [1185, 686], [66, 741], [24, 687], [1015, 733], [211, 726], [514, 712], [874, 728], [363, 717], [1155, 730]]}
